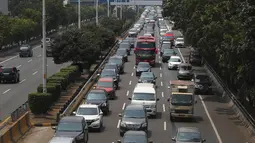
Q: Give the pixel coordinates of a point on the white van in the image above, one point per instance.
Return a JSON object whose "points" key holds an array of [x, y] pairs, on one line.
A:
{"points": [[145, 94]]}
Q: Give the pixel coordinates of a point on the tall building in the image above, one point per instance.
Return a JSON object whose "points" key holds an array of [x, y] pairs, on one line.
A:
{"points": [[4, 6]]}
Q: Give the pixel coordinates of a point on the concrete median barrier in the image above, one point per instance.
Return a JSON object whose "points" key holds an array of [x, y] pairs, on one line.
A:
{"points": [[17, 130]]}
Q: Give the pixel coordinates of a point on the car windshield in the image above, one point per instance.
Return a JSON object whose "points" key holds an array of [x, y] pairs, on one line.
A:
{"points": [[96, 96], [121, 51], [87, 111], [185, 68], [134, 113], [7, 70], [147, 75], [23, 48], [110, 67], [104, 84], [180, 40], [124, 45], [165, 46], [115, 60], [168, 51], [175, 60], [135, 139], [202, 78], [69, 127], [188, 137], [168, 37], [143, 65], [145, 53], [108, 73], [145, 44], [143, 96], [180, 99]]}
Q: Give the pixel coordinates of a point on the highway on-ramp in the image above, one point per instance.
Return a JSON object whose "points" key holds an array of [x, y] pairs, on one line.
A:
{"points": [[14, 95]]}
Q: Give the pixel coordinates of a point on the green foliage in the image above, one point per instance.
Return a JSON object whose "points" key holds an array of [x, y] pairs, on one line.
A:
{"points": [[222, 30], [39, 102]]}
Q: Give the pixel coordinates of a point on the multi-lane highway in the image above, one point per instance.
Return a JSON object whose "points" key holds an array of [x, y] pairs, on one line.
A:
{"points": [[14, 95], [212, 117]]}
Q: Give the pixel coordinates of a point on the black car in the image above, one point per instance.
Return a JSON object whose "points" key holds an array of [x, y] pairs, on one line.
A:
{"points": [[112, 66], [99, 98], [147, 77], [123, 52], [9, 74], [134, 117], [111, 73], [142, 67], [126, 46], [163, 47], [25, 51], [202, 83], [195, 58], [131, 38], [117, 60], [167, 54], [135, 137], [73, 127]]}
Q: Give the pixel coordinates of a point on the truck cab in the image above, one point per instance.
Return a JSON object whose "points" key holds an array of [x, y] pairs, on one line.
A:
{"points": [[182, 99]]}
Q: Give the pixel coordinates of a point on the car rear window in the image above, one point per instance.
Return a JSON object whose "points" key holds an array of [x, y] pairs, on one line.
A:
{"points": [[7, 70]]}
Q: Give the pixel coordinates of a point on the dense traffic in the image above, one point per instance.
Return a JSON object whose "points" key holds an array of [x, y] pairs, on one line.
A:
{"points": [[134, 120]]}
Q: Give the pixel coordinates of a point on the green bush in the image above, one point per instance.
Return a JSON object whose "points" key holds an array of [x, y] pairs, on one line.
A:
{"points": [[53, 88], [63, 81], [39, 102]]}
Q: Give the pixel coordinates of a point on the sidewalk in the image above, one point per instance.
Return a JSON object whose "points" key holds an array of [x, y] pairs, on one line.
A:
{"points": [[38, 135]]}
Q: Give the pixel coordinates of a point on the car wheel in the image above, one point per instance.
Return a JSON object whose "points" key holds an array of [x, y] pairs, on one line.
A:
{"points": [[121, 134], [18, 79], [101, 127], [171, 118]]}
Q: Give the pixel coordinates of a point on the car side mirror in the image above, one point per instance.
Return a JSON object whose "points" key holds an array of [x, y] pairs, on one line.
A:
{"points": [[204, 140], [118, 141], [157, 99], [54, 127], [101, 113], [168, 99], [173, 139], [120, 115], [129, 98], [74, 113], [98, 74]]}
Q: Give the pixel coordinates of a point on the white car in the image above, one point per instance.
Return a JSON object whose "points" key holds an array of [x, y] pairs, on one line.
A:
{"points": [[92, 114], [179, 42], [174, 62]]}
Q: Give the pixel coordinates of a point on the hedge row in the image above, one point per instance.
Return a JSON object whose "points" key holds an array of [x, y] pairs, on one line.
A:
{"points": [[40, 102]]}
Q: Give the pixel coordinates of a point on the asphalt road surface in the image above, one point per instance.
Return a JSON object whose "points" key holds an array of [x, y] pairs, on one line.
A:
{"points": [[14, 95], [215, 128]]}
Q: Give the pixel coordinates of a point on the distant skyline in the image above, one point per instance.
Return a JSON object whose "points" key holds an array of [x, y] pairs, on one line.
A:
{"points": [[4, 6]]}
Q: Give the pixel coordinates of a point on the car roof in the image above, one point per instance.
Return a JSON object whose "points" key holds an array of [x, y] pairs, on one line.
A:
{"points": [[113, 64], [148, 89], [143, 63], [113, 70], [175, 57], [188, 129], [61, 140], [135, 133], [106, 79], [72, 119], [88, 105], [149, 85], [134, 107], [115, 56], [180, 38], [97, 90]]}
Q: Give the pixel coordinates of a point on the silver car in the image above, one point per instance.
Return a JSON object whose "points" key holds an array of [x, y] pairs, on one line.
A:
{"points": [[188, 135], [185, 71], [62, 140]]}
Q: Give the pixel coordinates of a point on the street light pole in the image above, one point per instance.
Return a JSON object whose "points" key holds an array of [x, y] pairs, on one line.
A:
{"points": [[108, 8], [79, 14], [96, 12], [44, 47]]}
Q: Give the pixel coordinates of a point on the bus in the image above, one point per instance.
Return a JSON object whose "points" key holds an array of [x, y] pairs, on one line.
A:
{"points": [[145, 50]]}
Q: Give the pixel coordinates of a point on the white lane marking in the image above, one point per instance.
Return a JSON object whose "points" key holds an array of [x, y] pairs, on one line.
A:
{"points": [[29, 61], [159, 57], [39, 56], [165, 125], [160, 68], [162, 93], [127, 93], [124, 105], [22, 81], [159, 61], [210, 119], [53, 61], [35, 72], [9, 59], [6, 91], [160, 74], [130, 82], [164, 108], [132, 74], [161, 83], [19, 66], [206, 111], [134, 67], [118, 125]]}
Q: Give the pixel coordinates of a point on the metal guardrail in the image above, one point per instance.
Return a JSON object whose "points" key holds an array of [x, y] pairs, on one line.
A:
{"points": [[245, 113], [91, 78]]}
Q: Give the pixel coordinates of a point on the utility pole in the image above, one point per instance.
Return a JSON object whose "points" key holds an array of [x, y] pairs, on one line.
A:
{"points": [[44, 47], [96, 12], [108, 8], [121, 10], [79, 14]]}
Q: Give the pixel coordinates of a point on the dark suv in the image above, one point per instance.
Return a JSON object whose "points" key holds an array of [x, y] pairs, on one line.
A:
{"points": [[9, 74], [26, 51]]}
